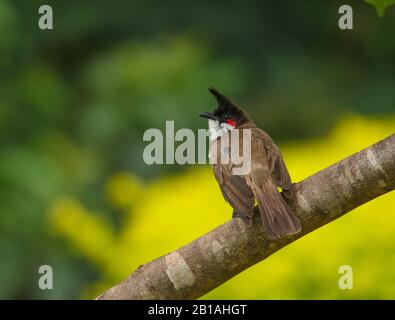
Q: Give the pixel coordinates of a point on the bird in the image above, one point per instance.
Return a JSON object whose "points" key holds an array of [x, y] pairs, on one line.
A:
{"points": [[268, 173]]}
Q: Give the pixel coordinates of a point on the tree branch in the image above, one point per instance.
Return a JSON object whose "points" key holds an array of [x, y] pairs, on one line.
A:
{"points": [[209, 261]]}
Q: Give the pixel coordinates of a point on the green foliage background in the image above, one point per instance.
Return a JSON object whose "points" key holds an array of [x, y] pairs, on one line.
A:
{"points": [[75, 101], [381, 5]]}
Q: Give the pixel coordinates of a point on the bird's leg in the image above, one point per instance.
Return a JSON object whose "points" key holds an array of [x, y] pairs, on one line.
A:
{"points": [[247, 219], [288, 193]]}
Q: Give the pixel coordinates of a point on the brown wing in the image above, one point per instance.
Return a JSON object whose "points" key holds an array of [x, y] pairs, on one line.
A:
{"points": [[276, 163], [235, 191], [281, 175]]}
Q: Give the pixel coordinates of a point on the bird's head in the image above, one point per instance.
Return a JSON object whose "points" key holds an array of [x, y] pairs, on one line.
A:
{"points": [[226, 115]]}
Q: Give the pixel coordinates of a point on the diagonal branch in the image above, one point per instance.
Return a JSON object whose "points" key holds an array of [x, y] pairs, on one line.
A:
{"points": [[219, 255]]}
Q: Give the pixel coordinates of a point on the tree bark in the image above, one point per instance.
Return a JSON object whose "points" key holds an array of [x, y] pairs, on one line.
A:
{"points": [[209, 261]]}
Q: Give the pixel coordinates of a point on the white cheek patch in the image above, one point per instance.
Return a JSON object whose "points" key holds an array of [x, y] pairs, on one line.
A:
{"points": [[227, 126], [213, 129], [216, 130], [212, 124]]}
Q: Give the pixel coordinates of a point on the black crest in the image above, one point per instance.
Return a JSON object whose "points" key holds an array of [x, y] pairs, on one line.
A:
{"points": [[225, 106], [224, 103]]}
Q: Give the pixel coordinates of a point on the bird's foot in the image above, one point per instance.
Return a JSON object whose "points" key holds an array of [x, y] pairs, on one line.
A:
{"points": [[247, 219]]}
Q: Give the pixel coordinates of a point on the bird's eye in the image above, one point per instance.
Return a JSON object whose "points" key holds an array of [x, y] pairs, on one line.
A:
{"points": [[226, 116]]}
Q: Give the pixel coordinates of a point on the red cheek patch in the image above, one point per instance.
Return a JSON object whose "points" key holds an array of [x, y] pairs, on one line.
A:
{"points": [[231, 122]]}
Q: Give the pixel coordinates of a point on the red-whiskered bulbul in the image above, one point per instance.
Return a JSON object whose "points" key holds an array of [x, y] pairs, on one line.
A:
{"points": [[267, 172]]}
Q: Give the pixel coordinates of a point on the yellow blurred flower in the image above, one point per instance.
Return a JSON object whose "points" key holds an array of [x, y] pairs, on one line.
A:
{"points": [[123, 189], [87, 233]]}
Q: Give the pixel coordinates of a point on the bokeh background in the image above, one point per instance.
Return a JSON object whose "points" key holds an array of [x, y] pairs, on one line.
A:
{"points": [[75, 101]]}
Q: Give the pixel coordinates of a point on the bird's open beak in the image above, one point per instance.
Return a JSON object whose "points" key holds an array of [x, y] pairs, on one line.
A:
{"points": [[208, 115]]}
